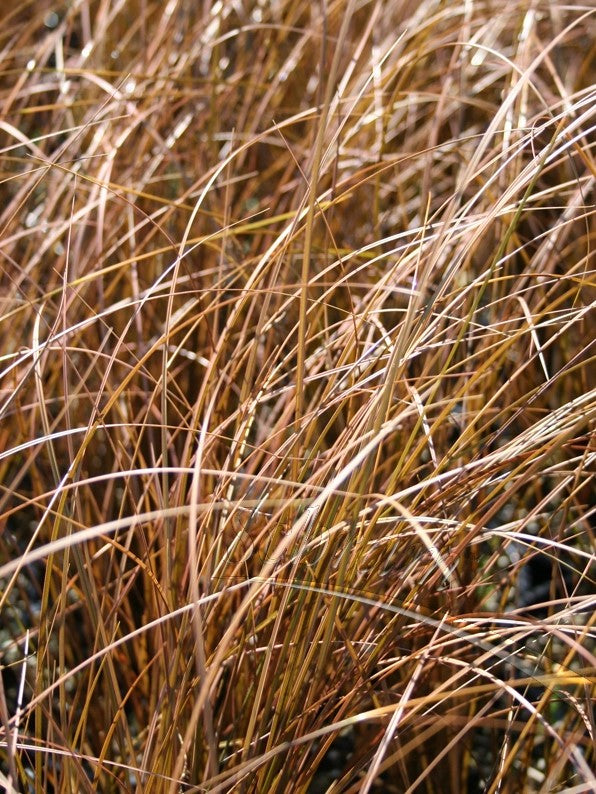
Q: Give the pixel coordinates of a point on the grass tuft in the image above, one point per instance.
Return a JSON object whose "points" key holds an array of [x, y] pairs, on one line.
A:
{"points": [[296, 421]]}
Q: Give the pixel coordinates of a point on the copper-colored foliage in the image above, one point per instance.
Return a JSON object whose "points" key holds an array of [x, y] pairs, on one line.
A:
{"points": [[296, 415]]}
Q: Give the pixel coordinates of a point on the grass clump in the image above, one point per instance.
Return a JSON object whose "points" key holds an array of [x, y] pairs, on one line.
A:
{"points": [[296, 420]]}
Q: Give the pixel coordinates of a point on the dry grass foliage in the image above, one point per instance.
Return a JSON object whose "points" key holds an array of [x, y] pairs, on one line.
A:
{"points": [[296, 417]]}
